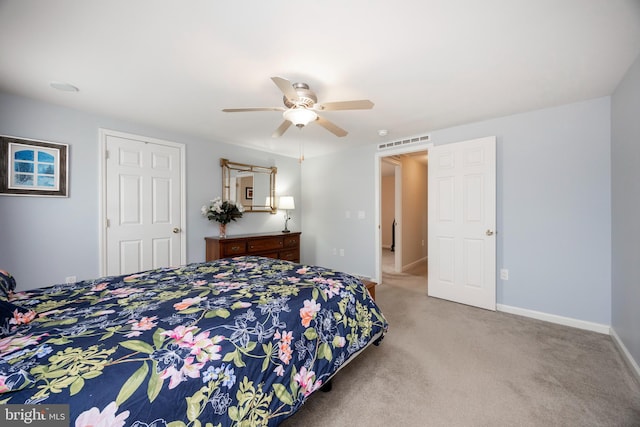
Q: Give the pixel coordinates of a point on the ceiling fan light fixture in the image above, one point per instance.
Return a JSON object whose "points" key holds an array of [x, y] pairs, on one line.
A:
{"points": [[300, 116], [301, 106]]}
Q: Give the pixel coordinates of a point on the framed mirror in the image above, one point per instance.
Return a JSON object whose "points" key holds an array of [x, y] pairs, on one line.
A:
{"points": [[253, 187]]}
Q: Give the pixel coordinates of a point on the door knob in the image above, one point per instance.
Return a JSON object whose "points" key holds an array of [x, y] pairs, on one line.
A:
{"points": [[489, 232], [176, 230]]}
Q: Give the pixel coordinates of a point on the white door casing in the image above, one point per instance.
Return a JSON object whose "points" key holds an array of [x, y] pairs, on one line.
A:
{"points": [[143, 207], [412, 148], [462, 221]]}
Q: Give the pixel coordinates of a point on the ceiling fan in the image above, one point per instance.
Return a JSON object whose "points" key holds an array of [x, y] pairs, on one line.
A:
{"points": [[302, 108]]}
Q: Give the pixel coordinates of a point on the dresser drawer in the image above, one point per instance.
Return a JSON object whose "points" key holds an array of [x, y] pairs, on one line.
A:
{"points": [[233, 248], [274, 255], [292, 241], [290, 255], [264, 244]]}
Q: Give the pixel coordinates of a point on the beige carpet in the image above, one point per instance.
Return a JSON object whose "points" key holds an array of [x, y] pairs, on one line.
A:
{"points": [[446, 364]]}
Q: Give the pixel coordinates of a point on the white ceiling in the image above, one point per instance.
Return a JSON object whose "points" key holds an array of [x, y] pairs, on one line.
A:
{"points": [[426, 64]]}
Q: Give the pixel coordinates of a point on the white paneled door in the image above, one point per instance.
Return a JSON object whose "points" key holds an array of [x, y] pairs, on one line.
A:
{"points": [[143, 210], [462, 221]]}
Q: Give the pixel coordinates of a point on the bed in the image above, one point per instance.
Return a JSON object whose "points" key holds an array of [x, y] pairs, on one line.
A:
{"points": [[237, 341]]}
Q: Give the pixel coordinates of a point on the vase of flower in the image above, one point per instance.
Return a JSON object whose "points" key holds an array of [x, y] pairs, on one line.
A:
{"points": [[222, 212]]}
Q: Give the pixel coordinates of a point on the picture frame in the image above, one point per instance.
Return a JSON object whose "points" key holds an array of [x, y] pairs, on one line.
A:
{"points": [[248, 193], [31, 167]]}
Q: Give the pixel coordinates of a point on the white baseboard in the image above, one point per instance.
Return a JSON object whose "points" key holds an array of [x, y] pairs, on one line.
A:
{"points": [[561, 320], [625, 354], [414, 264], [580, 324]]}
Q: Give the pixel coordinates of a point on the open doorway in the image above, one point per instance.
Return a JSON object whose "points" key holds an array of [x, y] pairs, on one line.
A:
{"points": [[460, 213], [403, 218]]}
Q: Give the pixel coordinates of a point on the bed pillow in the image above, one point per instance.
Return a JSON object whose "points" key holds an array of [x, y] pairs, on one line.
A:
{"points": [[7, 284], [12, 316]]}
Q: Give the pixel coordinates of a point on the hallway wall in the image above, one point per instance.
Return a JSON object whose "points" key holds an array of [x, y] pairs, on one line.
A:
{"points": [[414, 211]]}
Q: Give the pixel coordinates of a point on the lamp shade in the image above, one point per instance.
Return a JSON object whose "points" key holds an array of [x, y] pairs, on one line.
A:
{"points": [[299, 116], [286, 203]]}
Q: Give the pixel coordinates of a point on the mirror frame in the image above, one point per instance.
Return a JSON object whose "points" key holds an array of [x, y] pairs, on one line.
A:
{"points": [[228, 166]]}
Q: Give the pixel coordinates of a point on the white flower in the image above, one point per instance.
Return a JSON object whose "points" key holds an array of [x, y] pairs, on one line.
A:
{"points": [[222, 211], [105, 418]]}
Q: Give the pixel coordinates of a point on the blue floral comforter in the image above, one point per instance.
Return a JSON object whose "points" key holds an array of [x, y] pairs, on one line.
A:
{"points": [[240, 341]]}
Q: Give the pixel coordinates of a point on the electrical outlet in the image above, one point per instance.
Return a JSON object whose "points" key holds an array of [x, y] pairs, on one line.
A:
{"points": [[341, 252], [504, 274], [70, 279], [335, 251]]}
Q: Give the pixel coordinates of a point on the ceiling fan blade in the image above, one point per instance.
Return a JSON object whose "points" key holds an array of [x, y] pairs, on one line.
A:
{"points": [[362, 104], [242, 110], [331, 127], [281, 129], [287, 88]]}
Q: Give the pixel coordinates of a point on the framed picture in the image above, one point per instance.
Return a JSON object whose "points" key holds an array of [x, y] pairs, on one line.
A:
{"points": [[248, 193], [33, 168]]}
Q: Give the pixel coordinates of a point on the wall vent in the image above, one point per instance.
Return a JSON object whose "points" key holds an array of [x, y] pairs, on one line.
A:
{"points": [[403, 142]]}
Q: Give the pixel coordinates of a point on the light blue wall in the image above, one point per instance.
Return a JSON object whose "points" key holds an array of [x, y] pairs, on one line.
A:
{"points": [[625, 165], [553, 208], [334, 185], [44, 240], [554, 193]]}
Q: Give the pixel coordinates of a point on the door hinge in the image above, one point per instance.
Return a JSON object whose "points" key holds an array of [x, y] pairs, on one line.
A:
{"points": [[107, 223], [106, 154]]}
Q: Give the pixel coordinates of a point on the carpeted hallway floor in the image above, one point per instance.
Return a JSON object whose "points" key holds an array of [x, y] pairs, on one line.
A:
{"points": [[446, 364]]}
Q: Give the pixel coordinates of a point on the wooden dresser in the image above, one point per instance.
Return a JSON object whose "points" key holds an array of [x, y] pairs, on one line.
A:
{"points": [[371, 287], [273, 245]]}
